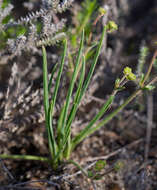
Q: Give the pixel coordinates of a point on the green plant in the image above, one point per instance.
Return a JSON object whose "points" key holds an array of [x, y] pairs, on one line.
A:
{"points": [[60, 141], [83, 20]]}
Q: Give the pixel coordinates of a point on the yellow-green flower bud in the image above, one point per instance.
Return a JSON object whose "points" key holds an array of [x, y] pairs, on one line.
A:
{"points": [[112, 26], [127, 70], [102, 11], [129, 74]]}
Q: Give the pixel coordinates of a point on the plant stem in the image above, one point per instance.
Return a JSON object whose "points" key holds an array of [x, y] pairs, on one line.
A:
{"points": [[25, 157], [78, 166], [149, 69]]}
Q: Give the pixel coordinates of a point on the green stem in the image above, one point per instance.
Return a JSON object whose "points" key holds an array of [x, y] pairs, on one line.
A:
{"points": [[78, 166], [149, 69], [25, 157]]}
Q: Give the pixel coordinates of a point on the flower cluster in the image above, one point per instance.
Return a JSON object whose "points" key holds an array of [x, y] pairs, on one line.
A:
{"points": [[129, 74], [111, 26]]}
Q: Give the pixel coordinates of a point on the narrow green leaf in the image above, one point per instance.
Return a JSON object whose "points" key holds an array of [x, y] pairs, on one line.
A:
{"points": [[51, 77], [45, 82], [51, 131], [25, 157], [60, 132]]}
